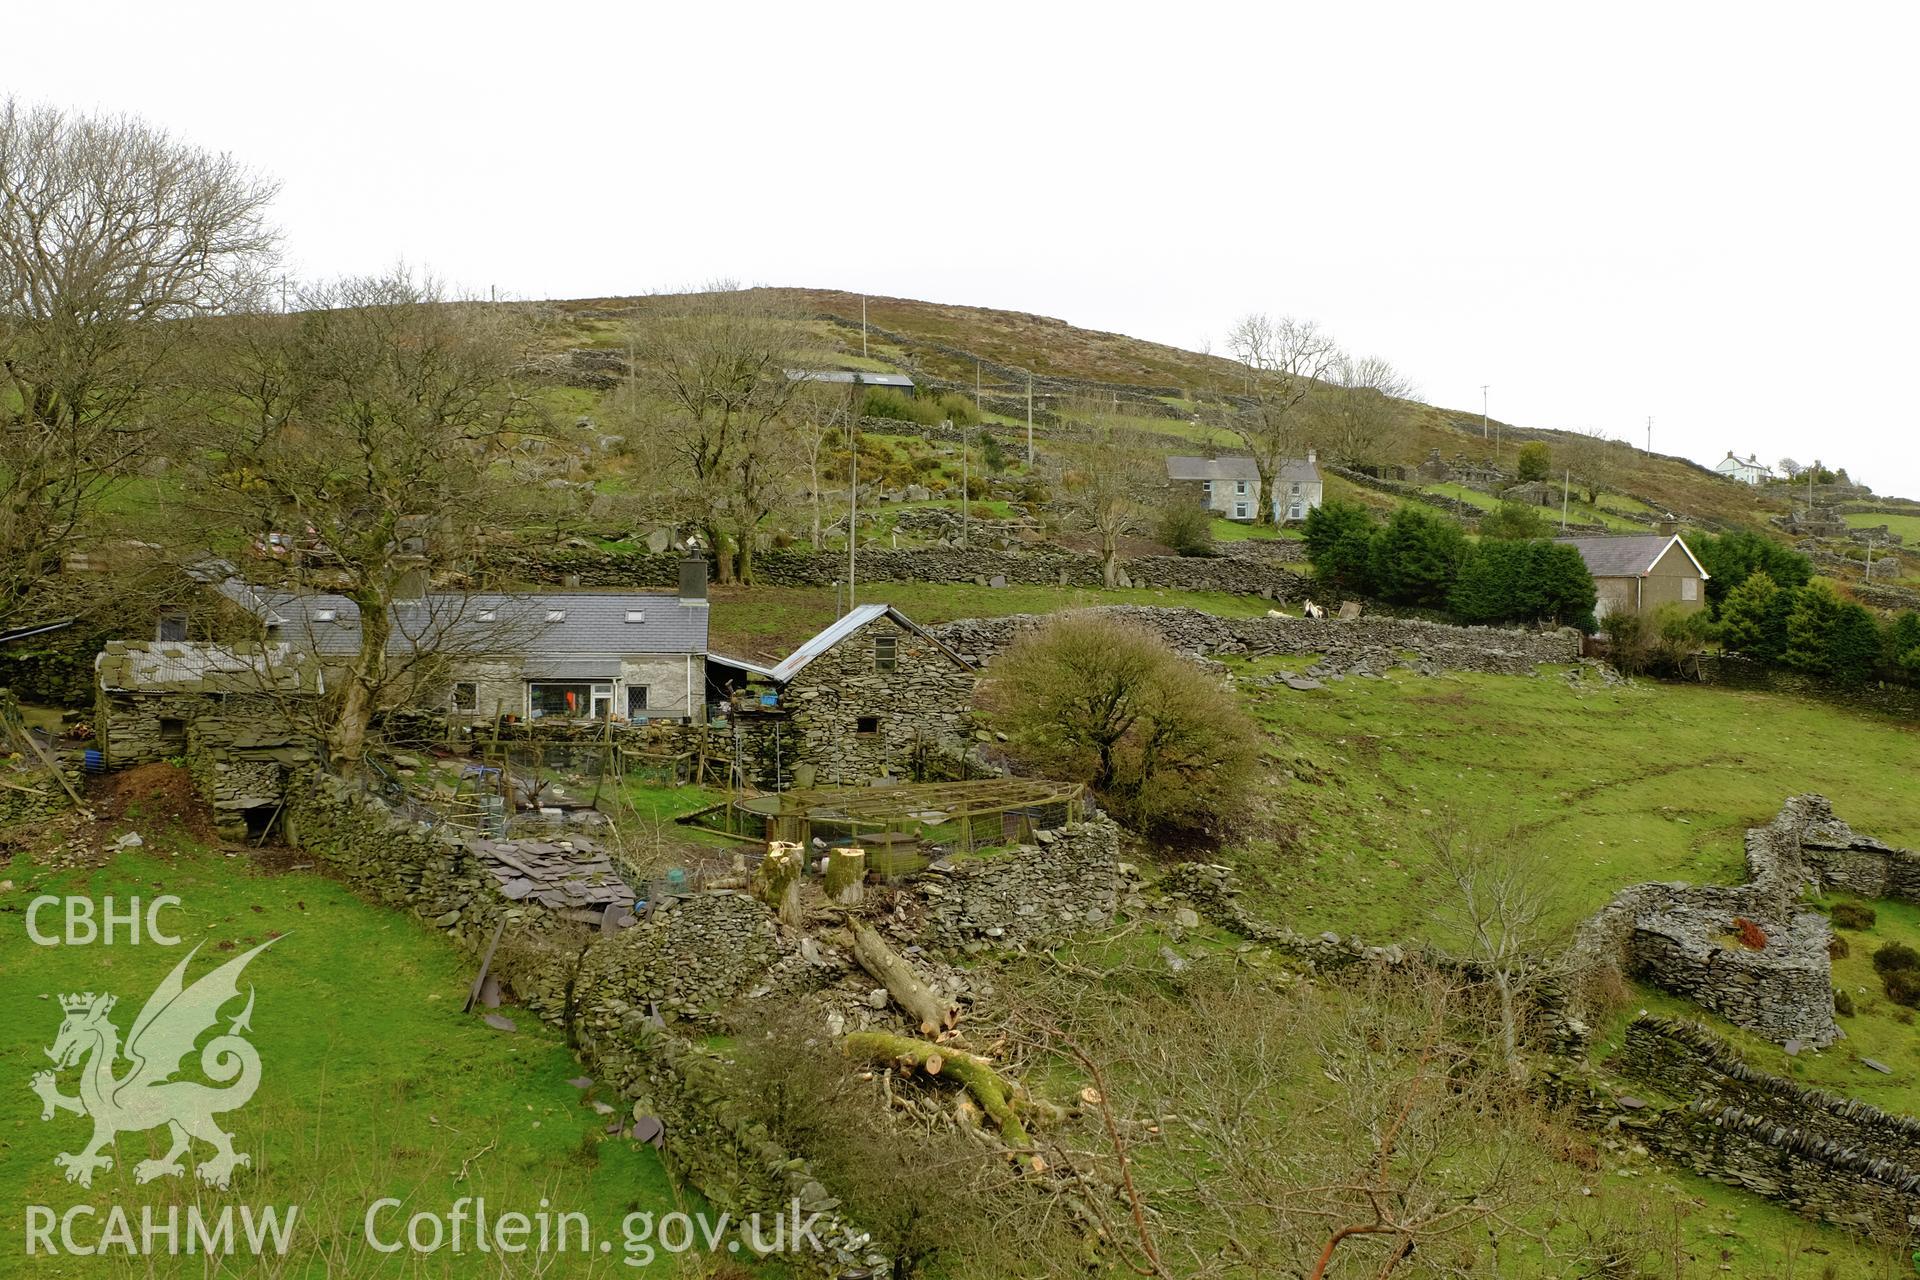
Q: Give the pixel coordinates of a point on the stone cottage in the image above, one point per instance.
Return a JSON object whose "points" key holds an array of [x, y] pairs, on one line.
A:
{"points": [[236, 714], [1227, 486], [1296, 488], [1639, 573], [872, 696], [572, 655]]}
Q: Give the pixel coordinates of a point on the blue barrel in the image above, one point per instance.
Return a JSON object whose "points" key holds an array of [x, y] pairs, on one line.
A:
{"points": [[96, 761]]}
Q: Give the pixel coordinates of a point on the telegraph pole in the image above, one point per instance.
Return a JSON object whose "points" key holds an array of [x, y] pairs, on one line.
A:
{"points": [[1566, 497], [1029, 421], [1649, 435], [963, 481], [1483, 409], [853, 497], [863, 326]]}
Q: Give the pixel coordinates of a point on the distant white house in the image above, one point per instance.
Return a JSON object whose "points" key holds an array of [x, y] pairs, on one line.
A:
{"points": [[1296, 490], [1748, 471], [1229, 486]]}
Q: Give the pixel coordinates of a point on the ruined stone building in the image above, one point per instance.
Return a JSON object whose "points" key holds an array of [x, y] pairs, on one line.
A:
{"points": [[236, 714], [872, 696]]}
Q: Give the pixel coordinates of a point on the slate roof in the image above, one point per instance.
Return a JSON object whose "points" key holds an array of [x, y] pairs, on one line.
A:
{"points": [[592, 624], [857, 617], [1629, 555], [1232, 468], [182, 666], [1305, 470]]}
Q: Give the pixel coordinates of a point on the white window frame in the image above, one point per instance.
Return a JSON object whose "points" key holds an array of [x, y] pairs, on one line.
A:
{"points": [[1241, 511], [599, 698], [1239, 487], [1689, 589]]}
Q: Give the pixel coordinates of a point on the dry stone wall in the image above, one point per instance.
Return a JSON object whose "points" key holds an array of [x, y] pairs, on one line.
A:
{"points": [[1683, 938], [1242, 575], [1040, 894], [1737, 672], [1375, 641]]}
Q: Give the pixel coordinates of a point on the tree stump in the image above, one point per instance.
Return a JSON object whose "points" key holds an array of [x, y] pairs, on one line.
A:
{"points": [[777, 882], [847, 876]]}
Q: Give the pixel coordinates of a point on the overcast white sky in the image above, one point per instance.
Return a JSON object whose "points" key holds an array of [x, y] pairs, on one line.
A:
{"points": [[1702, 212]]}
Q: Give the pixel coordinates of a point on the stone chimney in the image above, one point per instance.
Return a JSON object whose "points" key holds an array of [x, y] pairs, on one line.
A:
{"points": [[1312, 453], [693, 578]]}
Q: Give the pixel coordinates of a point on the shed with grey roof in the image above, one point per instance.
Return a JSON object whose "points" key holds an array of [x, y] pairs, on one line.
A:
{"points": [[1639, 573]]}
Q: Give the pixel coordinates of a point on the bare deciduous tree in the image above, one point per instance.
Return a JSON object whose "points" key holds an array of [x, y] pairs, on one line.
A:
{"points": [[1284, 360], [114, 238], [1496, 911], [1599, 463], [1106, 485], [1360, 408], [362, 440], [713, 367]]}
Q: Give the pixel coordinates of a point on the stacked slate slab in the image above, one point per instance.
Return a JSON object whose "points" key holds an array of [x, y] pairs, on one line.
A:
{"points": [[569, 877]]}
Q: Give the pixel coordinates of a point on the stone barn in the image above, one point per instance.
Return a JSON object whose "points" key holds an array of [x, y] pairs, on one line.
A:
{"points": [[872, 696], [231, 712]]}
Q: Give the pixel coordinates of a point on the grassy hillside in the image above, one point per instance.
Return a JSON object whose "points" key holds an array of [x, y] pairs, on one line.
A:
{"points": [[401, 1095], [942, 341], [1646, 781]]}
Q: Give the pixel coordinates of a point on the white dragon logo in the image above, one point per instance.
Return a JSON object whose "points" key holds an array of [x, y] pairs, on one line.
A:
{"points": [[144, 1097]]}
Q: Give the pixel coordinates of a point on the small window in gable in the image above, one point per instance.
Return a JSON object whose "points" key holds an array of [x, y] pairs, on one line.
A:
{"points": [[1689, 589], [867, 726], [886, 652], [324, 615], [636, 615]]}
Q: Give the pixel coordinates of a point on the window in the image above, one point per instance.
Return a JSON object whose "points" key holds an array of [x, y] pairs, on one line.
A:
{"points": [[466, 695], [569, 699], [173, 733], [1240, 511], [636, 702], [1689, 589], [867, 726], [636, 615], [1206, 487], [1294, 490], [487, 615], [172, 626], [324, 615], [1239, 486], [1294, 512], [886, 652]]}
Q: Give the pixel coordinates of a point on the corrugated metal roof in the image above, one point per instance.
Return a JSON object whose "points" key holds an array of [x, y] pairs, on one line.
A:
{"points": [[1231, 468], [848, 376], [588, 625], [857, 617], [1629, 555]]}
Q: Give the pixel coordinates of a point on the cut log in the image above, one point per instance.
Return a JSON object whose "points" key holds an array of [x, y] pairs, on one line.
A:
{"points": [[777, 882], [847, 876], [932, 1012], [986, 1085]]}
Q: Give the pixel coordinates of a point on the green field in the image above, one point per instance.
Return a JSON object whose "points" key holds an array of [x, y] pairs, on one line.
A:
{"points": [[1908, 527], [1646, 781], [373, 1083]]}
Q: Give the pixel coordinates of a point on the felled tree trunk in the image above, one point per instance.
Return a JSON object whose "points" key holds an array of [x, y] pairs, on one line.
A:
{"points": [[847, 876], [992, 1092], [777, 882], [922, 1003]]}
